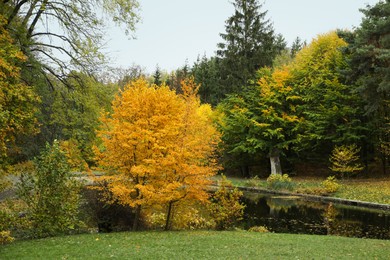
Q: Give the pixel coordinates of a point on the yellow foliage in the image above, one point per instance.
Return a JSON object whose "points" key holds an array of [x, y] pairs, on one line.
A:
{"points": [[319, 48], [331, 185], [344, 160], [5, 237], [74, 156], [158, 146], [17, 100]]}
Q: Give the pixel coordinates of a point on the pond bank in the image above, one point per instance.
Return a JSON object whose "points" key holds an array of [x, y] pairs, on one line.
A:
{"points": [[319, 198]]}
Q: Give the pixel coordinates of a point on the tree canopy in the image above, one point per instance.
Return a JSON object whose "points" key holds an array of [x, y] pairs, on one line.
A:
{"points": [[65, 35], [18, 102], [158, 146], [249, 44]]}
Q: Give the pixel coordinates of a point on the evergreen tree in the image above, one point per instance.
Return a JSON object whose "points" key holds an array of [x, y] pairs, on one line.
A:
{"points": [[205, 72], [157, 76], [249, 44], [369, 50], [296, 46]]}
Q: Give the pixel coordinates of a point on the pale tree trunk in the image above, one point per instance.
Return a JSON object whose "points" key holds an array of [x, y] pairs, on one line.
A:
{"points": [[276, 168]]}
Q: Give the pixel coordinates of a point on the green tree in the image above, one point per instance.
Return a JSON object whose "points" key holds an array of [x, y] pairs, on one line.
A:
{"points": [[249, 44], [69, 113], [176, 77], [332, 110], [51, 194], [206, 73], [263, 119], [296, 46], [157, 76], [369, 52]]}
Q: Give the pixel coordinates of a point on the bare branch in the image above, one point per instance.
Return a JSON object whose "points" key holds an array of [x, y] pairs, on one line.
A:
{"points": [[37, 16], [15, 11]]}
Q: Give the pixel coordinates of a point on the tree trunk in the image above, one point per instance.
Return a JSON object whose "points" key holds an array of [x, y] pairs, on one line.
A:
{"points": [[276, 167], [136, 217], [245, 171], [169, 213]]}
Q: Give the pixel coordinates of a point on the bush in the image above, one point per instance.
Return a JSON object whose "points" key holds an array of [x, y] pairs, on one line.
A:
{"points": [[331, 185], [280, 182], [5, 237], [51, 194], [13, 219], [260, 229], [253, 182], [225, 207], [344, 160]]}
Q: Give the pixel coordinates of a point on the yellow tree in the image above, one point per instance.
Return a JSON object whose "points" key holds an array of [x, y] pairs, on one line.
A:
{"points": [[192, 152], [156, 147], [17, 100]]}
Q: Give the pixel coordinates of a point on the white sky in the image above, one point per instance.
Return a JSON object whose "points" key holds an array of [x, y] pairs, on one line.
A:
{"points": [[173, 31]]}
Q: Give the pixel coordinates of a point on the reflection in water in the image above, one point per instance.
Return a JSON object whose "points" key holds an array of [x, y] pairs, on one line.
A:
{"points": [[285, 214]]}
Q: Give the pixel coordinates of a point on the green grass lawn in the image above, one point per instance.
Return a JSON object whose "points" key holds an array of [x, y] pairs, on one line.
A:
{"points": [[197, 245]]}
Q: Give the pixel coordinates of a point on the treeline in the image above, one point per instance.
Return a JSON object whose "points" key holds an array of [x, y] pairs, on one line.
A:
{"points": [[298, 103], [292, 105], [257, 104]]}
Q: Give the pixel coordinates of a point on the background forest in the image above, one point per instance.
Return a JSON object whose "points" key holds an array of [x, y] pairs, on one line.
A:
{"points": [[277, 108]]}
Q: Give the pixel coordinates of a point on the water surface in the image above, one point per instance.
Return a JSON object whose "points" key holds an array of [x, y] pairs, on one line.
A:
{"points": [[292, 214]]}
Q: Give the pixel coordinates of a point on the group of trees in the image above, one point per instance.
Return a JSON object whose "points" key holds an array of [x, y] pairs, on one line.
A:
{"points": [[302, 107], [299, 102], [157, 138], [50, 58]]}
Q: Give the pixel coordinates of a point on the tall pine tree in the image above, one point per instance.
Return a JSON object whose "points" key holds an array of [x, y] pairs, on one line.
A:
{"points": [[249, 44], [369, 49]]}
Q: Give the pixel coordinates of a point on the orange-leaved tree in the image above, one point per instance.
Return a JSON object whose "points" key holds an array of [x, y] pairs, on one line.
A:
{"points": [[157, 147]]}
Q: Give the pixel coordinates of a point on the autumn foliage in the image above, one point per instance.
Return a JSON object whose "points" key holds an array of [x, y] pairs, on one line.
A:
{"points": [[157, 147], [17, 100]]}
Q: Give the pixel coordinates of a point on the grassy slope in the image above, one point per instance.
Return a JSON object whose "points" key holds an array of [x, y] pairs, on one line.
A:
{"points": [[197, 245]]}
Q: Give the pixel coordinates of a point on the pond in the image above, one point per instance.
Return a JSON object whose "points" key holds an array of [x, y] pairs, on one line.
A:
{"points": [[293, 214]]}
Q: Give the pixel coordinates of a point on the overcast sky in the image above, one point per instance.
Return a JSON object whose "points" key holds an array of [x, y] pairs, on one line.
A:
{"points": [[173, 31]]}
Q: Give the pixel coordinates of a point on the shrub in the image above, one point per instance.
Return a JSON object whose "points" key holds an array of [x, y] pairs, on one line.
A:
{"points": [[331, 185], [344, 160], [5, 237], [13, 218], [280, 182], [253, 182], [260, 229], [225, 208], [51, 194]]}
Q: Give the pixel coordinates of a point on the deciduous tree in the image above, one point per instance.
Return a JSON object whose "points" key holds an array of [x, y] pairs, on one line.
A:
{"points": [[157, 147], [331, 108], [51, 193], [17, 100], [263, 119], [65, 35]]}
